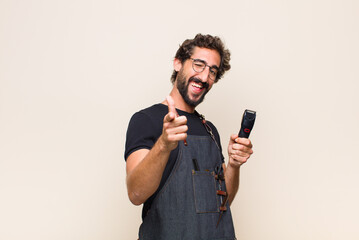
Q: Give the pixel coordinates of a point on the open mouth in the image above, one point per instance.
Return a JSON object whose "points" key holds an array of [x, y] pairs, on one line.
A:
{"points": [[198, 86]]}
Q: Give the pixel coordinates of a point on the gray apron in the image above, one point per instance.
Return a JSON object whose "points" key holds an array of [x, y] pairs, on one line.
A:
{"points": [[191, 201]]}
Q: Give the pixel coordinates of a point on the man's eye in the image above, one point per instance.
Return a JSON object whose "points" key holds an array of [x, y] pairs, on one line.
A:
{"points": [[214, 71], [199, 64]]}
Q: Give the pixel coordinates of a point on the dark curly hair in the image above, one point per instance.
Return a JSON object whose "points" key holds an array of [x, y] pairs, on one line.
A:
{"points": [[204, 41]]}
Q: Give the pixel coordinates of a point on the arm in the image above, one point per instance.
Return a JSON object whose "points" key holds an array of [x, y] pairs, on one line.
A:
{"points": [[239, 151], [145, 167], [144, 171]]}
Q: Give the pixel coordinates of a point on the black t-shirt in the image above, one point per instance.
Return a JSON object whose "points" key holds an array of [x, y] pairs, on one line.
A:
{"points": [[144, 129]]}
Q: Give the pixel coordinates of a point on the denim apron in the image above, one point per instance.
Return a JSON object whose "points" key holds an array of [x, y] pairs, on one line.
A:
{"points": [[190, 204]]}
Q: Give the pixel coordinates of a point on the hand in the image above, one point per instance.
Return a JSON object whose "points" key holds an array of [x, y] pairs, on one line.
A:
{"points": [[174, 127], [239, 150]]}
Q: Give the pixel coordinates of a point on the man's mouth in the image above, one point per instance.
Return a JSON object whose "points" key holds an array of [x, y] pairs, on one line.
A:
{"points": [[198, 86]]}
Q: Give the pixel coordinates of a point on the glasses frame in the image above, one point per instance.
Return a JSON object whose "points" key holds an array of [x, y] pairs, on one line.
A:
{"points": [[205, 65]]}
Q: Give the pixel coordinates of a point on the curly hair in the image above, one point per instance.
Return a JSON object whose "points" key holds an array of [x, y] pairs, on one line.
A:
{"points": [[185, 51]]}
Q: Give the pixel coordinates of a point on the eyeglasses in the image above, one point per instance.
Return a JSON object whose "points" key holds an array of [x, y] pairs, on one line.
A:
{"points": [[199, 65]]}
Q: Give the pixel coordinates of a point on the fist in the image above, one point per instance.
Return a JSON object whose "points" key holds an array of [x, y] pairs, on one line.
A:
{"points": [[239, 150]]}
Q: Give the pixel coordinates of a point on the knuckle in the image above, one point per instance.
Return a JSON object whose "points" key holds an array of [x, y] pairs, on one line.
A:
{"points": [[185, 128], [171, 138], [168, 131], [236, 146], [182, 120]]}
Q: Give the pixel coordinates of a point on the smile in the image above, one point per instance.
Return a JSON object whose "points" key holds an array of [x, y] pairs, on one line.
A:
{"points": [[197, 85]]}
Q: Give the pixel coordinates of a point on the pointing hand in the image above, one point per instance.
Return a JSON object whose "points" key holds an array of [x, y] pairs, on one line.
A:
{"points": [[174, 126]]}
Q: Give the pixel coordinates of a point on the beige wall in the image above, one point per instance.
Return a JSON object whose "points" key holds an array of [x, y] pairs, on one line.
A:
{"points": [[73, 72]]}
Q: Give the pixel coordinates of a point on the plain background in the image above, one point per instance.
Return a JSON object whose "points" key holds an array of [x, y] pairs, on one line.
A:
{"points": [[72, 73]]}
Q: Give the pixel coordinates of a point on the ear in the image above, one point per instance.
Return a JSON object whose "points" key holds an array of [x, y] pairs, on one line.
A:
{"points": [[177, 65]]}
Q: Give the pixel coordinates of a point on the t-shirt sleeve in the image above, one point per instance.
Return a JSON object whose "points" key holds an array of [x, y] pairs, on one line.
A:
{"points": [[141, 134]]}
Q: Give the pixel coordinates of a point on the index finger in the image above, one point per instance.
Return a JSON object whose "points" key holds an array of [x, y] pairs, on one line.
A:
{"points": [[171, 105], [244, 141]]}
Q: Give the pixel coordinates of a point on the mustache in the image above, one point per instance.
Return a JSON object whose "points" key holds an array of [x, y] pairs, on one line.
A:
{"points": [[197, 80]]}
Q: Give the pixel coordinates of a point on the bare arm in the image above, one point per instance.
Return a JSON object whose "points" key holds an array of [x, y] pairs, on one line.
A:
{"points": [[145, 167], [144, 172], [239, 151]]}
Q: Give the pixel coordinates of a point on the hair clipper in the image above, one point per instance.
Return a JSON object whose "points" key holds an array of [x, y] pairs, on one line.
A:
{"points": [[248, 119]]}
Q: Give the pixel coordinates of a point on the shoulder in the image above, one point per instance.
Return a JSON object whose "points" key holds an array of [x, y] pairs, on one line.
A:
{"points": [[214, 129], [155, 111], [211, 124], [150, 115], [217, 136], [144, 128]]}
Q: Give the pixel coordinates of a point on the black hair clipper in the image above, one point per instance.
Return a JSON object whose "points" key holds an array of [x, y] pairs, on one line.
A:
{"points": [[248, 119]]}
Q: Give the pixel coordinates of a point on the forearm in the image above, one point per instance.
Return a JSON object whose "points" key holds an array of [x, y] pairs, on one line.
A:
{"points": [[239, 150], [144, 179], [232, 182]]}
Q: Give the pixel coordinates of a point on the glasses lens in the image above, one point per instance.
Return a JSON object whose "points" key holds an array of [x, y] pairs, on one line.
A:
{"points": [[198, 66], [213, 73]]}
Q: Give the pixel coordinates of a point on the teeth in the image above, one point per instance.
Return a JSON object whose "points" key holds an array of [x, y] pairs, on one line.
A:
{"points": [[197, 85]]}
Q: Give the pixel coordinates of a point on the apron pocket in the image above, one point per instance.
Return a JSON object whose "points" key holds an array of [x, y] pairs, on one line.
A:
{"points": [[205, 193]]}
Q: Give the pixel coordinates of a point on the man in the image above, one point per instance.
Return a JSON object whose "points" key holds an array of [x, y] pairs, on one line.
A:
{"points": [[174, 160]]}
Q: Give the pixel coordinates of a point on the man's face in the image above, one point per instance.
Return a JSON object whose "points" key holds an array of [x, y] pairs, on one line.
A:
{"points": [[192, 85]]}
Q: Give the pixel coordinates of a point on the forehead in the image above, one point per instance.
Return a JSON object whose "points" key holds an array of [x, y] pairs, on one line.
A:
{"points": [[211, 56]]}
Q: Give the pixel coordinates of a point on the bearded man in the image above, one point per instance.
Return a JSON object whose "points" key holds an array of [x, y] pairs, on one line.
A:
{"points": [[174, 161]]}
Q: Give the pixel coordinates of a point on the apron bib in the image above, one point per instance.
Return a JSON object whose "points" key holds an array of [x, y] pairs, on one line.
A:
{"points": [[189, 204]]}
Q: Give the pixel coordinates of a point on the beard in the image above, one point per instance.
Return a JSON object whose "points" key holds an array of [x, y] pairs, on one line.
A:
{"points": [[183, 89]]}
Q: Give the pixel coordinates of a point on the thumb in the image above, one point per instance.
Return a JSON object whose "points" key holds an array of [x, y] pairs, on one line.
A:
{"points": [[233, 137]]}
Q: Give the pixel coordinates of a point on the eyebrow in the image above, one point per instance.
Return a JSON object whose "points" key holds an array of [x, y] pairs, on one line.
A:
{"points": [[213, 66]]}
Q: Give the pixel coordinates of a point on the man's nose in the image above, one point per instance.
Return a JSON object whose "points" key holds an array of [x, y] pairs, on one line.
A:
{"points": [[204, 75]]}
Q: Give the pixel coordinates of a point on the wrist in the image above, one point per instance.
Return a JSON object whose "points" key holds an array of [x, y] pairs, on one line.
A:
{"points": [[234, 164]]}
